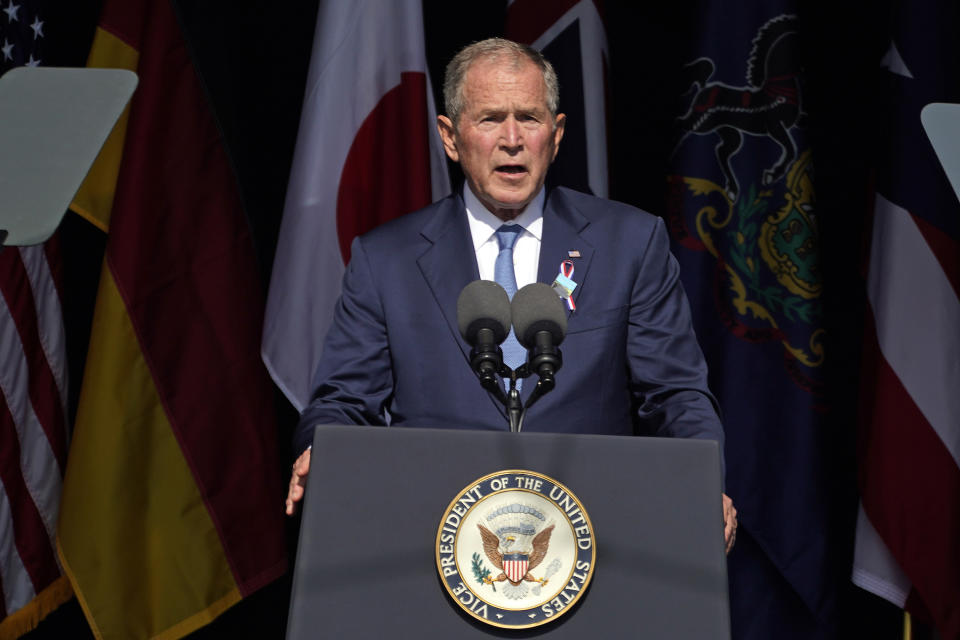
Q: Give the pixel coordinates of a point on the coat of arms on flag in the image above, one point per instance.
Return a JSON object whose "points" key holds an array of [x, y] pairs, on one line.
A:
{"points": [[756, 218]]}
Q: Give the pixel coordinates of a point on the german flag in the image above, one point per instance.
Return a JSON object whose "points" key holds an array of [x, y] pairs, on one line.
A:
{"points": [[172, 501]]}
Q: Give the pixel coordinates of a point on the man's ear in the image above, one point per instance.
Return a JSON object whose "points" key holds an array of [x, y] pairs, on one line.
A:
{"points": [[449, 137], [558, 128]]}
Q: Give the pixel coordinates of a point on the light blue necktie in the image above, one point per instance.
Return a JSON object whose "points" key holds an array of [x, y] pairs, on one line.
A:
{"points": [[514, 354]]}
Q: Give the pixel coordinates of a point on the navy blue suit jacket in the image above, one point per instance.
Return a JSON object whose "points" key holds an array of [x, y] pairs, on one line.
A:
{"points": [[631, 362]]}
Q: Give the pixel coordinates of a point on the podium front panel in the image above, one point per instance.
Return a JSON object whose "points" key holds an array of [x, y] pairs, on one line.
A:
{"points": [[366, 563]]}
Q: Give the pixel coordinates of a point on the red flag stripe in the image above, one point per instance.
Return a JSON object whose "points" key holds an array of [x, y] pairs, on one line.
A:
{"points": [[33, 541], [36, 459], [910, 443], [945, 249], [40, 271], [910, 484], [916, 315], [51, 249], [41, 384], [16, 587]]}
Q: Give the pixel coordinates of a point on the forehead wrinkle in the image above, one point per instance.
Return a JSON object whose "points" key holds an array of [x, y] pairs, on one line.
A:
{"points": [[488, 98]]}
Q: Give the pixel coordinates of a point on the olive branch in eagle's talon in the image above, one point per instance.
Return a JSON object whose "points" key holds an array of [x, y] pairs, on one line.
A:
{"points": [[480, 572]]}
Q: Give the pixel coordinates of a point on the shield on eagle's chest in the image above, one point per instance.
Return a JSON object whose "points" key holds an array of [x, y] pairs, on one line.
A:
{"points": [[515, 566]]}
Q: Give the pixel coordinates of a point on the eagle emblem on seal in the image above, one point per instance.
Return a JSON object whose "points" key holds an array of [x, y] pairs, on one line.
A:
{"points": [[504, 537], [516, 545]]}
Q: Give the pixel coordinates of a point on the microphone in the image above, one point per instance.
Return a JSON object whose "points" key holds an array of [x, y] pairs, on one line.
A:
{"points": [[483, 317], [540, 324]]}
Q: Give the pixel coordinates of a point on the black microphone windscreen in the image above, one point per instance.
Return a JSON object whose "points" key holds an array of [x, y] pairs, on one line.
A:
{"points": [[483, 304], [537, 307]]}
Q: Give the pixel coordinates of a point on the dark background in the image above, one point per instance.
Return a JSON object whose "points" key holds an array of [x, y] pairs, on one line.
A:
{"points": [[253, 56]]}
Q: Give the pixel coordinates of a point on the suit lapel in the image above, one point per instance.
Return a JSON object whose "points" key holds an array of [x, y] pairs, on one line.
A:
{"points": [[450, 263], [562, 227]]}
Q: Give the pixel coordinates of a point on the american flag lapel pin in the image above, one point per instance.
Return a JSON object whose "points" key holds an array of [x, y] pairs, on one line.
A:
{"points": [[573, 253]]}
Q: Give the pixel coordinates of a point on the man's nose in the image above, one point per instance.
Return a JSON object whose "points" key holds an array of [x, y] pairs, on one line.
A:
{"points": [[510, 137]]}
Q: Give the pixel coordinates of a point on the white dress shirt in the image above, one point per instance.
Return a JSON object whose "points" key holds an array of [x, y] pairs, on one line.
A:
{"points": [[526, 251]]}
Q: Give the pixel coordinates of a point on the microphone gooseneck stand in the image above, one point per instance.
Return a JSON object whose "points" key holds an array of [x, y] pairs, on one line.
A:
{"points": [[484, 316], [544, 360]]}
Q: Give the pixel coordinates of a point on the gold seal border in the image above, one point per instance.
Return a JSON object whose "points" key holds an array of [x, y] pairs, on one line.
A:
{"points": [[461, 493]]}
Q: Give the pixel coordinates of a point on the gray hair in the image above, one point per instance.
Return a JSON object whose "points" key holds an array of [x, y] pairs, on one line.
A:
{"points": [[493, 49]]}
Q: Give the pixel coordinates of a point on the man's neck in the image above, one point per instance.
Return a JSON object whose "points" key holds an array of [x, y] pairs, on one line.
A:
{"points": [[509, 216]]}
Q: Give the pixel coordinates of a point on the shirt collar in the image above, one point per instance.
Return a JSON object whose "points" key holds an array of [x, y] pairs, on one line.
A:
{"points": [[483, 224]]}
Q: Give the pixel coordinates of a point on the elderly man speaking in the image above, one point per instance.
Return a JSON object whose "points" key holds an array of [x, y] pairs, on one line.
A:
{"points": [[394, 354]]}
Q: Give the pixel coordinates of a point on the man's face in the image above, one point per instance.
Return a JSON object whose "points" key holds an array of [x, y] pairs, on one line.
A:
{"points": [[505, 139]]}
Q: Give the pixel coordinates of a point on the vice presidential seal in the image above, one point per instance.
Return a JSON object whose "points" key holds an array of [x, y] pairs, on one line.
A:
{"points": [[515, 549]]}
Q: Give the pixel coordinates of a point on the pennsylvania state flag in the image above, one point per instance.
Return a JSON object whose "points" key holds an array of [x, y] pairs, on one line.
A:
{"points": [[743, 219]]}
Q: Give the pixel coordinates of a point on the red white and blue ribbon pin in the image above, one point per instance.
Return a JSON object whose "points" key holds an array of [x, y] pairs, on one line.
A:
{"points": [[564, 284]]}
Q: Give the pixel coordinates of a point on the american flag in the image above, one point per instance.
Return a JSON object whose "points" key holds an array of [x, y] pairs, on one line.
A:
{"points": [[907, 536], [21, 29], [33, 390]]}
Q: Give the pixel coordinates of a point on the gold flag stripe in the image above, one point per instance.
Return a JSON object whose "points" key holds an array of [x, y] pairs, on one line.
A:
{"points": [[94, 199], [129, 488]]}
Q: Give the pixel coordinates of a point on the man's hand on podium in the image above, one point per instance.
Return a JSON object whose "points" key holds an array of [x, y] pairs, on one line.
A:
{"points": [[298, 482], [729, 517]]}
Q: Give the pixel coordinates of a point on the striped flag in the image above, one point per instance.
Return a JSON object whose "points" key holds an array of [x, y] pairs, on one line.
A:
{"points": [[33, 393], [908, 533], [172, 499], [571, 34], [367, 151], [33, 435]]}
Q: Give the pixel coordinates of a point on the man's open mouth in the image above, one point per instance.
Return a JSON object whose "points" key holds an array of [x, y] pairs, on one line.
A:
{"points": [[512, 168]]}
